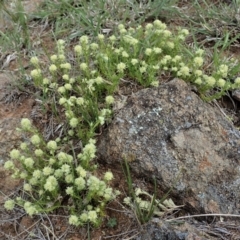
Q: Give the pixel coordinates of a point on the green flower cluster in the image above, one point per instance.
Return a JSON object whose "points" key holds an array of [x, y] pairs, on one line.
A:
{"points": [[50, 174]]}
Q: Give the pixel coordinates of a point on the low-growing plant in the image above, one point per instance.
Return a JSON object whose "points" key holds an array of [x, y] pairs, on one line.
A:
{"points": [[82, 95], [112, 222], [52, 176]]}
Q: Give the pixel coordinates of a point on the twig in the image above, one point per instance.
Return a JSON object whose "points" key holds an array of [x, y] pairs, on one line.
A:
{"points": [[205, 215]]}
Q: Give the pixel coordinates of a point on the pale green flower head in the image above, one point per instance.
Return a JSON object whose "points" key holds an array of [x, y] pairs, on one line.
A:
{"points": [[184, 71], [31, 210], [157, 50], [27, 187], [58, 173], [61, 57], [94, 46], [83, 66], [69, 178], [101, 37], [199, 52], [62, 101], [62, 157], [9, 165], [142, 69], [65, 77], [80, 183], [52, 160], [38, 152], [51, 184], [35, 140], [134, 61], [52, 145], [60, 42], [148, 51], [81, 171], [108, 197], [121, 26], [211, 81], [73, 122], [34, 61], [72, 80], [184, 31], [105, 112], [46, 81], [170, 45], [23, 175], [167, 33], [198, 81], [237, 81], [37, 174], [73, 220], [127, 201], [47, 171], [113, 38], [36, 73], [23, 146], [26, 124], [84, 217], [65, 168], [71, 132], [14, 154], [101, 120], [149, 26], [154, 83], [125, 54], [117, 51], [177, 58], [34, 181], [99, 80], [221, 82], [66, 66], [28, 162], [53, 58], [108, 176], [138, 191], [89, 150], [84, 39], [89, 207], [109, 99], [159, 25], [70, 191], [131, 40], [92, 216], [223, 70], [198, 61], [123, 31], [53, 68], [78, 49], [68, 86], [93, 183], [144, 205], [9, 204], [198, 73]]}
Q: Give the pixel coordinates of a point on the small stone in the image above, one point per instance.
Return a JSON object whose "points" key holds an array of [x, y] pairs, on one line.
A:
{"points": [[236, 94]]}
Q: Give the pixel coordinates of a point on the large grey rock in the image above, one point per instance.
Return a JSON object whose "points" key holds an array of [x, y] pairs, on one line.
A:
{"points": [[170, 133]]}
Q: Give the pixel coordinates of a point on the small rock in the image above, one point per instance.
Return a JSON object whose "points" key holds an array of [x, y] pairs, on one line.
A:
{"points": [[236, 94]]}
